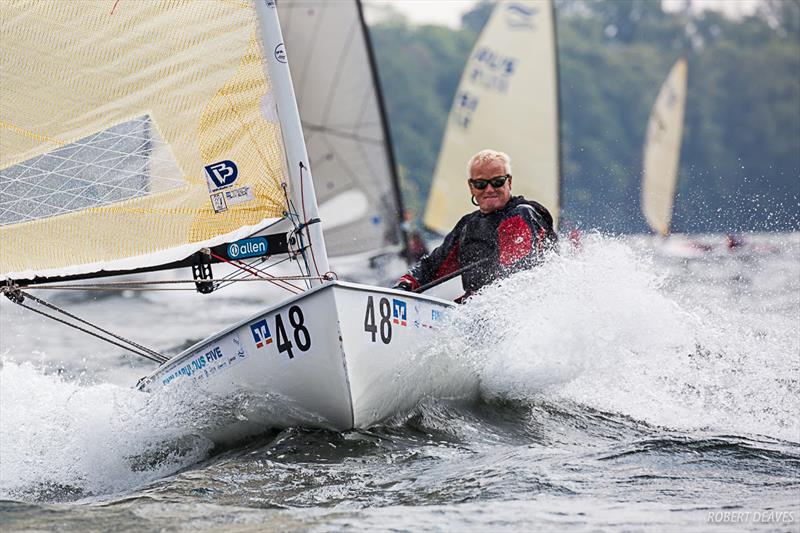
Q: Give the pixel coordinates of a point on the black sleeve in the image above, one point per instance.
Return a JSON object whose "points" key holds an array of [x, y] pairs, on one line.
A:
{"points": [[441, 261]]}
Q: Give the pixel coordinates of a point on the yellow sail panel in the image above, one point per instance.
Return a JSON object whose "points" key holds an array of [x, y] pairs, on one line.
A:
{"points": [[507, 100], [662, 150], [131, 129]]}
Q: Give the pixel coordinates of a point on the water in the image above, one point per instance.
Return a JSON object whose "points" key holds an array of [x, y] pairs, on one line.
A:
{"points": [[621, 389]]}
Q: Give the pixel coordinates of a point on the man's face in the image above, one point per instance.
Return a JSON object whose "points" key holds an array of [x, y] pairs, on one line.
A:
{"points": [[490, 199]]}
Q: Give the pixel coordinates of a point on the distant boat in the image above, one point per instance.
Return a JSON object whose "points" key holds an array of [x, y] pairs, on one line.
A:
{"points": [[507, 100], [662, 150], [344, 125]]}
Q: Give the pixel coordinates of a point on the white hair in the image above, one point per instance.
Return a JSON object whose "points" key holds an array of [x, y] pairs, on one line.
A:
{"points": [[485, 156]]}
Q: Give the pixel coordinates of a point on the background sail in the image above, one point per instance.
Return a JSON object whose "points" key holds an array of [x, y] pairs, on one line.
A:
{"points": [[507, 100], [140, 130], [662, 150], [343, 126]]}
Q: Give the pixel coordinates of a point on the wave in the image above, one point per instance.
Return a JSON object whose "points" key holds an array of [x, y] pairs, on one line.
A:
{"points": [[64, 440], [594, 346], [600, 327]]}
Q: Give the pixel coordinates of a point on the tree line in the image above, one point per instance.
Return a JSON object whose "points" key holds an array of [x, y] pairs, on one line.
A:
{"points": [[740, 158]]}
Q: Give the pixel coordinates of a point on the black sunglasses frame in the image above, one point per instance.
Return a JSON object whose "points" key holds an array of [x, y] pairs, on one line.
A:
{"points": [[497, 182]]}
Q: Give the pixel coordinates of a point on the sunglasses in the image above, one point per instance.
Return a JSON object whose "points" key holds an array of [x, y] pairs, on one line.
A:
{"points": [[496, 182]]}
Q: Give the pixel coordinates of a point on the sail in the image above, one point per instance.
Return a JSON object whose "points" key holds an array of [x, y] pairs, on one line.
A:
{"points": [[132, 134], [662, 150], [343, 125], [507, 100]]}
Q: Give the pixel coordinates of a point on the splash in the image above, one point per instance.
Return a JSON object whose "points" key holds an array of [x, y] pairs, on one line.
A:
{"points": [[62, 440], [599, 327]]}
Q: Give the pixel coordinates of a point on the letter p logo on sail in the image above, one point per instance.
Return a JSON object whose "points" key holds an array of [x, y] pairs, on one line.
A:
{"points": [[221, 174]]}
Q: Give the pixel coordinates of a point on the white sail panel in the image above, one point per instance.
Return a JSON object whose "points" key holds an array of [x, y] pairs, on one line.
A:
{"points": [[507, 100], [662, 150], [131, 133], [340, 109]]}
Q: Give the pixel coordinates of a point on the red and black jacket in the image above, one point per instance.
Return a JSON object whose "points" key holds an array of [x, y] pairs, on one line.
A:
{"points": [[514, 237]]}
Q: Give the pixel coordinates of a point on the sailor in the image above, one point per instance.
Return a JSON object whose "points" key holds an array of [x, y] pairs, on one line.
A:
{"points": [[416, 245], [504, 235], [734, 241]]}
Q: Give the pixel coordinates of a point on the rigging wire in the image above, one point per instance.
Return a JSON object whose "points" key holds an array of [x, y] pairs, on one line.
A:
{"points": [[294, 218], [237, 275], [276, 281], [145, 285], [18, 296], [306, 222]]}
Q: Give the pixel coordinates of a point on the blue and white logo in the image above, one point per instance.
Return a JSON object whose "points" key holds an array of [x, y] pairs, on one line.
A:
{"points": [[222, 174], [280, 53], [248, 248], [399, 312], [521, 16], [261, 334]]}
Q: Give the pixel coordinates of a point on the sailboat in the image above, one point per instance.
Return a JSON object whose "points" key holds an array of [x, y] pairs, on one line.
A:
{"points": [[507, 99], [344, 125], [137, 137], [662, 150]]}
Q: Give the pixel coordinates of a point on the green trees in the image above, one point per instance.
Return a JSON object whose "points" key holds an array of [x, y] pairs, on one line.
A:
{"points": [[740, 163], [419, 69]]}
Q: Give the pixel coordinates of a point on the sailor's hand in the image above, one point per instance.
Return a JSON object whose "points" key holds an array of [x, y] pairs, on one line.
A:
{"points": [[402, 285]]}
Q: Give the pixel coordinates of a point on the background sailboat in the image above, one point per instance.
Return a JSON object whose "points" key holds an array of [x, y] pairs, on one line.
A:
{"points": [[661, 163], [662, 150], [507, 100], [342, 113]]}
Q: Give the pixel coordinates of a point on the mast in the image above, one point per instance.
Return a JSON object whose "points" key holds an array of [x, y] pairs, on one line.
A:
{"points": [[302, 190], [559, 145], [386, 133]]}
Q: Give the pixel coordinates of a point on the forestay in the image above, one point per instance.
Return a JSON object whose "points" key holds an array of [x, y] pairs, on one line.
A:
{"points": [[132, 134], [507, 100], [340, 106]]}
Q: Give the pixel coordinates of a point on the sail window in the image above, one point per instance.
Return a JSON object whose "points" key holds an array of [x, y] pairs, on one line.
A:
{"points": [[125, 161]]}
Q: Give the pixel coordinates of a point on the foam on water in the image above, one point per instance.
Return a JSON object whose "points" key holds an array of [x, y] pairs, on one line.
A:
{"points": [[603, 327], [598, 327], [62, 440]]}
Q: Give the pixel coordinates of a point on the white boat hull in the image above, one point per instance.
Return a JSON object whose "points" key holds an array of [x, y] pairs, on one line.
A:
{"points": [[339, 356]]}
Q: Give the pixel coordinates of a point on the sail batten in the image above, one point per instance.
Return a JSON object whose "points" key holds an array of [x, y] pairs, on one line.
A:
{"points": [[132, 137], [507, 100]]}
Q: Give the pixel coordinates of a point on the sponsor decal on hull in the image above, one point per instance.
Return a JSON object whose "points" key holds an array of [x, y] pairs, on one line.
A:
{"points": [[261, 334], [399, 312], [209, 360]]}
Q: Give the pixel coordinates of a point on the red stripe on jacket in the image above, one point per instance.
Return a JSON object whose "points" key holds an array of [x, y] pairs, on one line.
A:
{"points": [[450, 263], [515, 240]]}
